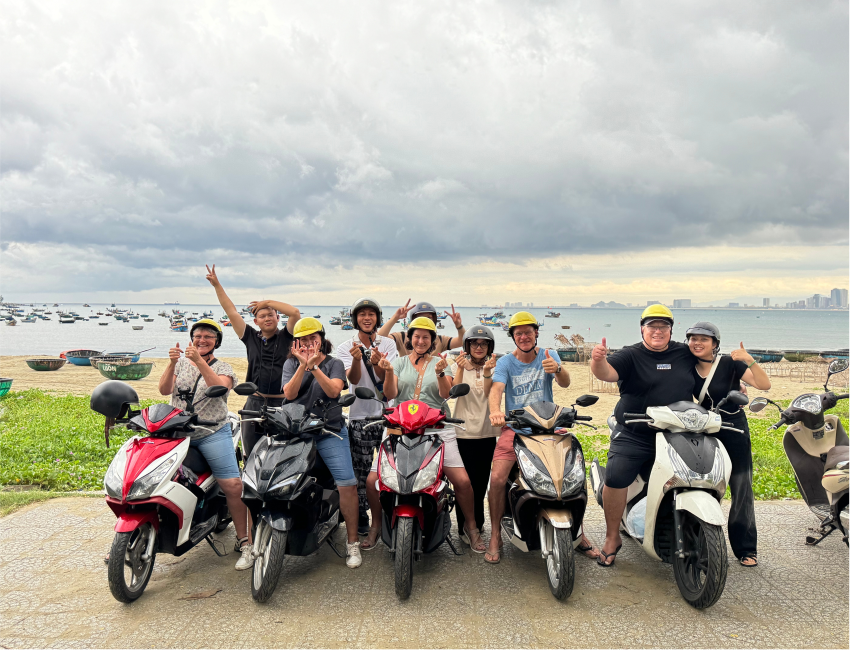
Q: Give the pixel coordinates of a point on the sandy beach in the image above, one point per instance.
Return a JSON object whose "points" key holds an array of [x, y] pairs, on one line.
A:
{"points": [[81, 380]]}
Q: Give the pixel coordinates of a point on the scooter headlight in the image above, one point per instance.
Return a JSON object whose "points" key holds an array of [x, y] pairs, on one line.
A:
{"points": [[387, 473], [537, 478], [428, 475], [285, 486], [574, 476], [693, 419], [684, 476], [114, 478], [146, 483]]}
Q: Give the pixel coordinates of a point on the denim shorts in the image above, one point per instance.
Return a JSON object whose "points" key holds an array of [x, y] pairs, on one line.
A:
{"points": [[337, 456], [217, 450]]}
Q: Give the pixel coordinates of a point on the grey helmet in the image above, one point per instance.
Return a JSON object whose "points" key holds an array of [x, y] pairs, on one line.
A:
{"points": [[704, 328], [363, 303], [479, 332], [422, 308]]}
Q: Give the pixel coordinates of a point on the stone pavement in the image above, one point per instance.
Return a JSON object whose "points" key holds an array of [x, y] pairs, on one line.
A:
{"points": [[53, 593]]}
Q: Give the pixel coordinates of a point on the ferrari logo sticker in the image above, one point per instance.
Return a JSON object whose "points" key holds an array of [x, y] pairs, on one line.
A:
{"points": [[412, 408]]}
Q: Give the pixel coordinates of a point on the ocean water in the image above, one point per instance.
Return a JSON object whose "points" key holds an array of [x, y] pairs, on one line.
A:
{"points": [[783, 330]]}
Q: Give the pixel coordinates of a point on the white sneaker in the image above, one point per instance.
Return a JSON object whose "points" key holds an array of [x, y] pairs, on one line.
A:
{"points": [[354, 558], [247, 559]]}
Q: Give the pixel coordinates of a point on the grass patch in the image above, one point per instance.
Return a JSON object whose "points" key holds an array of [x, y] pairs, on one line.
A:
{"points": [[54, 442], [11, 501]]}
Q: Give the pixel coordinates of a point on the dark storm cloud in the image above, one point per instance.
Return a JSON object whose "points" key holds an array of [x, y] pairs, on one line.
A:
{"points": [[445, 132]]}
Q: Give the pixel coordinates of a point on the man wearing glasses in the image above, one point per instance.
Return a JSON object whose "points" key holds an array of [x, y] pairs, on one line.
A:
{"points": [[524, 377], [654, 372]]}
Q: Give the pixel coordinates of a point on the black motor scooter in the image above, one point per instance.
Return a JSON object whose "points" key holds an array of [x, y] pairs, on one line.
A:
{"points": [[288, 489]]}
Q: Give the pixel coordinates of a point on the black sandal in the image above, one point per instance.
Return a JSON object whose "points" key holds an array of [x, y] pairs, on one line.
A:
{"points": [[585, 549], [750, 556], [607, 555]]}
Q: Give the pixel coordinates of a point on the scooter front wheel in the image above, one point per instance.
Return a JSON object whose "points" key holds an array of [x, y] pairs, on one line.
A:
{"points": [[701, 574], [557, 545], [131, 561], [270, 546], [404, 557]]}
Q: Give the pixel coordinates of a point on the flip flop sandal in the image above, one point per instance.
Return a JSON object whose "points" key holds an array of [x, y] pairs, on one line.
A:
{"points": [[372, 547], [497, 555], [608, 555], [749, 557], [476, 548], [584, 550]]}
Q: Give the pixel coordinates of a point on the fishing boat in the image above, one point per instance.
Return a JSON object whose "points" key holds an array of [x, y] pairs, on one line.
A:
{"points": [[346, 325], [103, 323], [86, 305], [44, 364], [565, 327], [29, 319], [335, 320], [149, 320], [55, 304], [570, 354], [5, 385], [67, 319], [835, 354], [499, 314], [80, 357], [505, 325], [11, 322], [133, 317], [440, 325], [317, 316], [125, 372], [767, 356], [94, 316], [179, 328], [226, 323], [138, 327], [553, 314]]}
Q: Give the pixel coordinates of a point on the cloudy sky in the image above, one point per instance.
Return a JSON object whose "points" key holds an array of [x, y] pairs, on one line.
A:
{"points": [[552, 152]]}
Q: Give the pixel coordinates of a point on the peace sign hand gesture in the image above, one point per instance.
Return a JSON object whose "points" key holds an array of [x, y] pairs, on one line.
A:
{"points": [[401, 312], [211, 276], [456, 318]]}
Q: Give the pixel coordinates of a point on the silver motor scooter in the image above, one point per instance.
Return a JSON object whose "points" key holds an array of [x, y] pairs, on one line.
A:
{"points": [[675, 511]]}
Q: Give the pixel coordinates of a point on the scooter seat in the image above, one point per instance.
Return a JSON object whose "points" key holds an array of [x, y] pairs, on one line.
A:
{"points": [[836, 455], [196, 462]]}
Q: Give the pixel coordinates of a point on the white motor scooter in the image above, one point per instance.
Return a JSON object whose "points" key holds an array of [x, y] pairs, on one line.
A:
{"points": [[675, 511]]}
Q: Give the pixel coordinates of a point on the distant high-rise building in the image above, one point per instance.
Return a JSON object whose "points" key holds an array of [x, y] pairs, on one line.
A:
{"points": [[838, 297], [529, 304], [652, 302], [734, 304], [682, 303], [765, 302], [843, 294], [574, 304]]}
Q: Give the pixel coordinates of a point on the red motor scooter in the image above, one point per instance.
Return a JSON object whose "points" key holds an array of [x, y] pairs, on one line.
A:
{"points": [[162, 490], [415, 496]]}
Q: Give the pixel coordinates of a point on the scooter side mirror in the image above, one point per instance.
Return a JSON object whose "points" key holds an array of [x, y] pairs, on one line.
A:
{"points": [[587, 400], [364, 393], [458, 390], [758, 404], [245, 388], [216, 391], [838, 365], [346, 400], [737, 397]]}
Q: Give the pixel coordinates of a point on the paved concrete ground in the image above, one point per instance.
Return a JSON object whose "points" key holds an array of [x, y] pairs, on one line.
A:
{"points": [[53, 593]]}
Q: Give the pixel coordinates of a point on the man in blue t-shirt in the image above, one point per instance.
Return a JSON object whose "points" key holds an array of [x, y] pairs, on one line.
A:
{"points": [[524, 377]]}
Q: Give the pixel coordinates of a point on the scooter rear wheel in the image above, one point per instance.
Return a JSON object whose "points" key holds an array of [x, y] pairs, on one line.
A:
{"points": [[404, 557], [270, 545], [560, 560], [129, 571], [701, 575]]}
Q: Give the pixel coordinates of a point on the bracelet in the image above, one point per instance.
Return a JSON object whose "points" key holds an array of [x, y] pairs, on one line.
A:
{"points": [[487, 376], [752, 364]]}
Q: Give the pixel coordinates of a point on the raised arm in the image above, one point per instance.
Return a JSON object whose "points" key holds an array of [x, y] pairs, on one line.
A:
{"points": [[599, 365], [226, 303], [755, 374], [166, 382], [292, 314], [457, 341], [497, 416]]}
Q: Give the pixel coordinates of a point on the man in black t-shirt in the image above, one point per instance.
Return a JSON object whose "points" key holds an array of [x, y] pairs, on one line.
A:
{"points": [[654, 372], [267, 347]]}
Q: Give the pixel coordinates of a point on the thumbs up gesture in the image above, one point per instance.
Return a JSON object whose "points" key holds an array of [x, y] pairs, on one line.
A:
{"points": [[600, 351], [549, 364], [740, 354], [174, 354], [442, 364]]}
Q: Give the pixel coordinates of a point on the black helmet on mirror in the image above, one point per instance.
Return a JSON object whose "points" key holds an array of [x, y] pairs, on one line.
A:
{"points": [[422, 308], [366, 303], [479, 332], [113, 399]]}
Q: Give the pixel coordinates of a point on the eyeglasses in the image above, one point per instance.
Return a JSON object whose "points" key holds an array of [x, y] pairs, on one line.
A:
{"points": [[520, 335], [478, 344], [204, 338], [658, 328]]}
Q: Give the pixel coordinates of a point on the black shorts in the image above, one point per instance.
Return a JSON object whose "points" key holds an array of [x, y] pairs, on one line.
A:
{"points": [[630, 454]]}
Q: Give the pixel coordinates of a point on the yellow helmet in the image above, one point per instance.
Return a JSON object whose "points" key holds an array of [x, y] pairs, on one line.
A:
{"points": [[208, 322], [656, 312], [522, 318], [422, 323], [307, 326]]}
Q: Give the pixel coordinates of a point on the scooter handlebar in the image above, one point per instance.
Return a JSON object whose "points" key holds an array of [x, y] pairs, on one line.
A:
{"points": [[843, 396], [583, 418], [454, 421], [633, 415], [250, 414], [206, 423], [732, 429]]}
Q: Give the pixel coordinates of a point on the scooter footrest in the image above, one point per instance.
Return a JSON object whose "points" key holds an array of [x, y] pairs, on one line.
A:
{"points": [[197, 533]]}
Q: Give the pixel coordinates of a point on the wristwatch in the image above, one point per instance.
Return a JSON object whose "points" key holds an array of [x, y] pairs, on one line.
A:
{"points": [[441, 374]]}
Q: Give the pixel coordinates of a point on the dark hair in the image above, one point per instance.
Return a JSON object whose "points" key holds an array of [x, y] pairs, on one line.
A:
{"points": [[408, 343], [257, 311], [327, 347]]}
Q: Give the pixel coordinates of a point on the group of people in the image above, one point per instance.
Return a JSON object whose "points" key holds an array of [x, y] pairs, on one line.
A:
{"points": [[298, 364]]}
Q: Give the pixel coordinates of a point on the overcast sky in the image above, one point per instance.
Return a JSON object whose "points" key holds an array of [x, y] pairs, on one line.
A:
{"points": [[552, 152]]}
